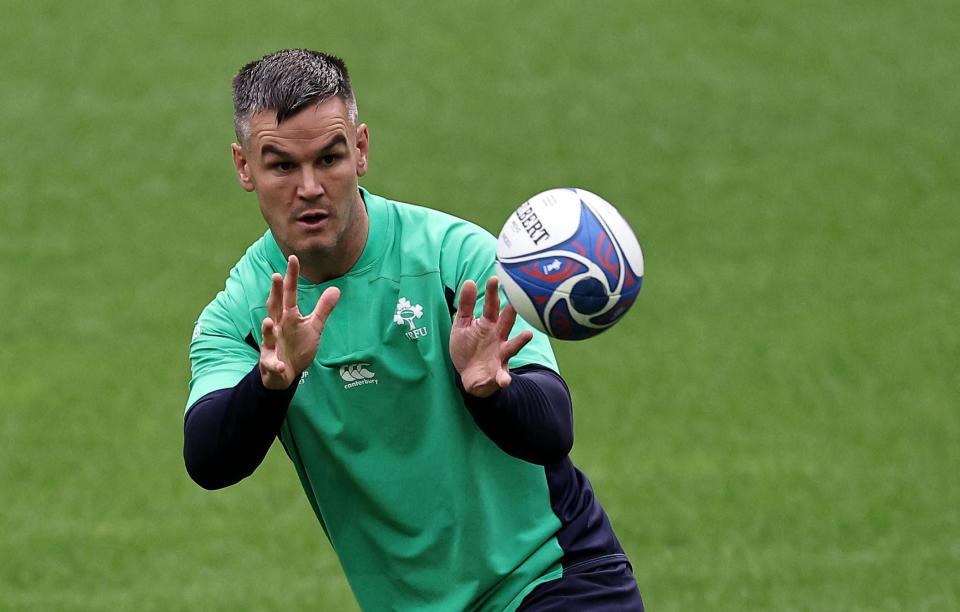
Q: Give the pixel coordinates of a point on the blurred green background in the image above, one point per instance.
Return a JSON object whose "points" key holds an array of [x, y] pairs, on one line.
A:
{"points": [[775, 426]]}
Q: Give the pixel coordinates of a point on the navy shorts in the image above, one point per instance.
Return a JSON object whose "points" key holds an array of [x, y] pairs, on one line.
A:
{"points": [[596, 586]]}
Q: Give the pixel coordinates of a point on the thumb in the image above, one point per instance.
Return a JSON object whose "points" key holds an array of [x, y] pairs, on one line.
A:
{"points": [[328, 300], [503, 378]]}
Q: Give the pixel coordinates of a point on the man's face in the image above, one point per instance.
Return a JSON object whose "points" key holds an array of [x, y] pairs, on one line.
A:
{"points": [[305, 172]]}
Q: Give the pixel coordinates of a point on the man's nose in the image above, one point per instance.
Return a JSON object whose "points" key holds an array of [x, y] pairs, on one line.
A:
{"points": [[311, 186]]}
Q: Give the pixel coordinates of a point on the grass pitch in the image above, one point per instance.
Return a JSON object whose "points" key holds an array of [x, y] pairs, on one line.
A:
{"points": [[776, 425]]}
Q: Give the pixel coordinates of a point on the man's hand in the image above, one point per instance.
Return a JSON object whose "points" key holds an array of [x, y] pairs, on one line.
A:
{"points": [[290, 341], [480, 348]]}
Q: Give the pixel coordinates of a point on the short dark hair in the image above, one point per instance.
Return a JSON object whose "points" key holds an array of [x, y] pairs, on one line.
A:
{"points": [[286, 82]]}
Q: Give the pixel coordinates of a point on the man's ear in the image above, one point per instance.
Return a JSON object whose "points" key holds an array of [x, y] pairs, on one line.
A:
{"points": [[363, 148], [243, 167]]}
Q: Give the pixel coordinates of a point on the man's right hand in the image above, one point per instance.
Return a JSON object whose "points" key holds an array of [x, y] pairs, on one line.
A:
{"points": [[290, 341]]}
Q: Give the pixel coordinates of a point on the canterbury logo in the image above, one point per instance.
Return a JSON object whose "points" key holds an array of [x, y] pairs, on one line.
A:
{"points": [[357, 374]]}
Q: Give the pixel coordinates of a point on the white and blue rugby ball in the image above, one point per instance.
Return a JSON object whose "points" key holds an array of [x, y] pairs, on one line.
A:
{"points": [[569, 263]]}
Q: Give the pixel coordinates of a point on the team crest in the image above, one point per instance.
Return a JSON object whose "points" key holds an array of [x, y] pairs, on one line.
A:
{"points": [[407, 313]]}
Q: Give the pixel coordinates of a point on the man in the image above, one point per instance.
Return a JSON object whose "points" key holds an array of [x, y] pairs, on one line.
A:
{"points": [[430, 430]]}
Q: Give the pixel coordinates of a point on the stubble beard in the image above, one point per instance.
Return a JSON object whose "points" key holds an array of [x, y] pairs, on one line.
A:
{"points": [[336, 256]]}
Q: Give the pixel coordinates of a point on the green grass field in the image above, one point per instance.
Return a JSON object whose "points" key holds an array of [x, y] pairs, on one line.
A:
{"points": [[776, 425]]}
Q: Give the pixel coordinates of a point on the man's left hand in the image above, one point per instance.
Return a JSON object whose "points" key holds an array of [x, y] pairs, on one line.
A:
{"points": [[480, 348]]}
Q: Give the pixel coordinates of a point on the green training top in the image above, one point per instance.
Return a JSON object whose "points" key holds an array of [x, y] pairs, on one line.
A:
{"points": [[423, 510]]}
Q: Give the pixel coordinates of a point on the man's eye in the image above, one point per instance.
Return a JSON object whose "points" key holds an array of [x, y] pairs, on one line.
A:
{"points": [[283, 166], [328, 160]]}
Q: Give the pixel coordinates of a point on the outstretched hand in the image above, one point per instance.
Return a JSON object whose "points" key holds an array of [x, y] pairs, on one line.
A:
{"points": [[290, 341], [480, 348]]}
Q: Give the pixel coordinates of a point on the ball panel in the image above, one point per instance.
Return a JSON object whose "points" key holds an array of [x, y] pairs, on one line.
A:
{"points": [[546, 272], [544, 221], [603, 250], [563, 324], [589, 296], [613, 315], [617, 227], [520, 299]]}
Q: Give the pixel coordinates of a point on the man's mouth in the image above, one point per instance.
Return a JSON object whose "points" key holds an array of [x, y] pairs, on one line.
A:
{"points": [[313, 219]]}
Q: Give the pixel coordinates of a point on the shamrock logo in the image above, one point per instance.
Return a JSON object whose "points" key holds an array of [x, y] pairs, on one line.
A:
{"points": [[407, 312]]}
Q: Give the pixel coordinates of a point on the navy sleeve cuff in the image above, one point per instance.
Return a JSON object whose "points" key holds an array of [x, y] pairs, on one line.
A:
{"points": [[532, 419], [228, 432]]}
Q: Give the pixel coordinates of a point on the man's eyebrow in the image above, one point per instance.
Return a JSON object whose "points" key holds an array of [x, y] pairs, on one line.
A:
{"points": [[269, 148], [339, 139]]}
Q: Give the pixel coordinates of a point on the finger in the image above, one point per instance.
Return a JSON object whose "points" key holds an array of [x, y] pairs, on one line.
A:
{"points": [[269, 331], [272, 373], [503, 378], [512, 347], [507, 318], [275, 299], [491, 300], [290, 283], [468, 301], [325, 304], [272, 366]]}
